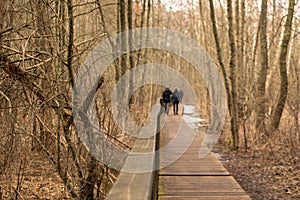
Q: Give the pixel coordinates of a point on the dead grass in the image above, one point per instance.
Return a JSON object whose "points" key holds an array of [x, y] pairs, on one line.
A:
{"points": [[270, 167]]}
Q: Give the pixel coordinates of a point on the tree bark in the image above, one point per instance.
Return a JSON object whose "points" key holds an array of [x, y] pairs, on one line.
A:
{"points": [[262, 77], [130, 36], [232, 66], [220, 59], [87, 190], [202, 24], [276, 116], [130, 54], [70, 45], [123, 37], [142, 19]]}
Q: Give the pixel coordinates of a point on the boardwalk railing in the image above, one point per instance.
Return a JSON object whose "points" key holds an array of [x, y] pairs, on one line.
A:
{"points": [[141, 185]]}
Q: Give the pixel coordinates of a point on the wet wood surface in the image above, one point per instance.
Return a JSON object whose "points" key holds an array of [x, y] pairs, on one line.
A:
{"points": [[190, 177]]}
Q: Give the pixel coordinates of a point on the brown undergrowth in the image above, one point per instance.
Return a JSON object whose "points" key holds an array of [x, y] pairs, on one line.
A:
{"points": [[268, 169]]}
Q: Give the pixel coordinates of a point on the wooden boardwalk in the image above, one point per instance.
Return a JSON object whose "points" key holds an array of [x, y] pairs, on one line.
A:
{"points": [[190, 177]]}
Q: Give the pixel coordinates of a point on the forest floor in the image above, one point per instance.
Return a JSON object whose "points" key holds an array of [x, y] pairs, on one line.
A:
{"points": [[266, 172], [34, 178]]}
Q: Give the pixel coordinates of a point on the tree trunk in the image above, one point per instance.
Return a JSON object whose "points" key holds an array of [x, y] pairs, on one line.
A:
{"points": [[219, 54], [262, 77], [130, 36], [202, 24], [87, 189], [148, 12], [123, 37], [242, 73], [141, 24], [70, 44], [276, 115], [232, 66]]}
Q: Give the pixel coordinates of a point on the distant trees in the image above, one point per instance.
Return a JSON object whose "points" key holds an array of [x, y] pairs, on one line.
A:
{"points": [[256, 103]]}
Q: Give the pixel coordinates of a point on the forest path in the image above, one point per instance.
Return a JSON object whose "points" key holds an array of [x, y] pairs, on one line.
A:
{"points": [[191, 177]]}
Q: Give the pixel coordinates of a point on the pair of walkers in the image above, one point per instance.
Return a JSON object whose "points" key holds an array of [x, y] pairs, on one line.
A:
{"points": [[169, 96]]}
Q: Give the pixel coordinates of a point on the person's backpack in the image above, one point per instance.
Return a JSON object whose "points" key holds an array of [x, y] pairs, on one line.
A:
{"points": [[166, 95], [175, 99]]}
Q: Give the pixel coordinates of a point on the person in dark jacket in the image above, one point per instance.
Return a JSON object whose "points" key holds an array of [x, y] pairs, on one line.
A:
{"points": [[175, 101], [167, 99]]}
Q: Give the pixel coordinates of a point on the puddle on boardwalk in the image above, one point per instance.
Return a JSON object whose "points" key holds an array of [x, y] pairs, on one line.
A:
{"points": [[191, 116]]}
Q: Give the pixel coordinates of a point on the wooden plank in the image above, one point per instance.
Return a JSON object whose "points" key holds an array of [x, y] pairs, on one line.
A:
{"points": [[198, 166], [200, 183], [242, 197], [191, 177], [199, 186], [189, 162]]}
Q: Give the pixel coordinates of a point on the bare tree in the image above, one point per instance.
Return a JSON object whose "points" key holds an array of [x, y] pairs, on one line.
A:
{"points": [[222, 65], [262, 77], [277, 113], [232, 66]]}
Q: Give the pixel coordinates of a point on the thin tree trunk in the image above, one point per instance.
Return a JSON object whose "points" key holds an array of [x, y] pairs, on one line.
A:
{"points": [[244, 107], [256, 45], [283, 67], [139, 54], [296, 116], [130, 36], [219, 54], [262, 77], [149, 12], [123, 37], [118, 60], [202, 23], [87, 190], [237, 29], [71, 41], [232, 65]]}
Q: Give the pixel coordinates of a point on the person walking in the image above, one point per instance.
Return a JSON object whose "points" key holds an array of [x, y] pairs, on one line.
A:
{"points": [[167, 99], [175, 101]]}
